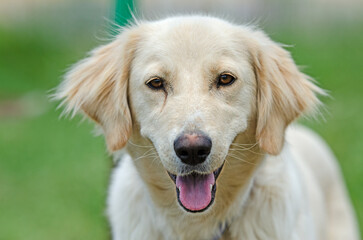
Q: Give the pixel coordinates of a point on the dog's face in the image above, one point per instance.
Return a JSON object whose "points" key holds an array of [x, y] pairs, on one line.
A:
{"points": [[195, 85], [190, 86], [191, 95]]}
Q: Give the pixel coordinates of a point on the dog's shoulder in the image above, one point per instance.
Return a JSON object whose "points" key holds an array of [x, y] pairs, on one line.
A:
{"points": [[314, 153], [127, 205], [279, 194]]}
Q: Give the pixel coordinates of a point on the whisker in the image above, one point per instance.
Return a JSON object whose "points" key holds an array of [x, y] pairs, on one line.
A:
{"points": [[241, 148], [242, 145], [147, 154], [137, 145], [240, 159], [154, 160], [245, 150], [143, 157]]}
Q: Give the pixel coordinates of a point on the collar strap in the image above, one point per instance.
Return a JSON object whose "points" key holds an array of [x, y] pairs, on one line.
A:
{"points": [[222, 230]]}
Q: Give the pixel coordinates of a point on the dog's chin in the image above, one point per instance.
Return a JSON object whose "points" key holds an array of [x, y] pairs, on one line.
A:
{"points": [[196, 191]]}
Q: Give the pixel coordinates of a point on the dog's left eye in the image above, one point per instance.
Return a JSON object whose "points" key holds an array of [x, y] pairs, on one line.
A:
{"points": [[225, 79], [155, 83]]}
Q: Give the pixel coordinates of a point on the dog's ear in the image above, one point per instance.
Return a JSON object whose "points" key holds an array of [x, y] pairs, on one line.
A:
{"points": [[283, 92], [97, 86]]}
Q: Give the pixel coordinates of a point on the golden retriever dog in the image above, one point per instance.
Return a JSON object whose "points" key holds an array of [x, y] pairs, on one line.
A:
{"points": [[201, 108]]}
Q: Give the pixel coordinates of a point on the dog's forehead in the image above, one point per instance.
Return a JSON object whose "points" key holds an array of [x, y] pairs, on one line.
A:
{"points": [[190, 38]]}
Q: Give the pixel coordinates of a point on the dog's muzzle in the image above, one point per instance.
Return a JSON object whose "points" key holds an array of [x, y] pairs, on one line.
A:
{"points": [[195, 191]]}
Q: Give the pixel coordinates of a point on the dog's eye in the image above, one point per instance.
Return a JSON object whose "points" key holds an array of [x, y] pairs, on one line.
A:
{"points": [[225, 79], [155, 83]]}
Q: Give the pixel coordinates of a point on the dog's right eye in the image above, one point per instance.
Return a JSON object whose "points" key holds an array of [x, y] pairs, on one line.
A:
{"points": [[155, 83]]}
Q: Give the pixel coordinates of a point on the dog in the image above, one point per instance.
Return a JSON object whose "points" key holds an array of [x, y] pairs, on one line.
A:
{"points": [[203, 109]]}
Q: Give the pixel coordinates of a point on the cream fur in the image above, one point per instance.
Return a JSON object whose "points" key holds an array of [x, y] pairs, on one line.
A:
{"points": [[272, 186]]}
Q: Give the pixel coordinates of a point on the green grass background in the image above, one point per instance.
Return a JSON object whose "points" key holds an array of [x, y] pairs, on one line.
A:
{"points": [[54, 173]]}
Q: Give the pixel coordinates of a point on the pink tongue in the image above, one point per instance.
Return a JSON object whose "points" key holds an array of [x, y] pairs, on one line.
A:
{"points": [[194, 190]]}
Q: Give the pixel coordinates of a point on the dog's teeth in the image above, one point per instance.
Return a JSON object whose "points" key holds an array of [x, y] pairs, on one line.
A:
{"points": [[211, 186]]}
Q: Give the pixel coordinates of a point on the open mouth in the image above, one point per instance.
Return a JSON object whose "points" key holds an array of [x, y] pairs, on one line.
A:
{"points": [[196, 191]]}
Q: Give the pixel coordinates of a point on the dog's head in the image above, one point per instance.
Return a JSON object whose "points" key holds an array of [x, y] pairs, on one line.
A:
{"points": [[190, 85]]}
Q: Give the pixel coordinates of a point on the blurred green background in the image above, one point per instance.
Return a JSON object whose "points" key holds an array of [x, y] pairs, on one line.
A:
{"points": [[54, 173]]}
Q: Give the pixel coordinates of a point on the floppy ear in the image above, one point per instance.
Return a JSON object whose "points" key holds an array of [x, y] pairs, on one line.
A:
{"points": [[283, 93], [97, 86]]}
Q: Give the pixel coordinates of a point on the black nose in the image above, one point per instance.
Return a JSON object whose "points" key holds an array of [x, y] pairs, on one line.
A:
{"points": [[192, 148]]}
